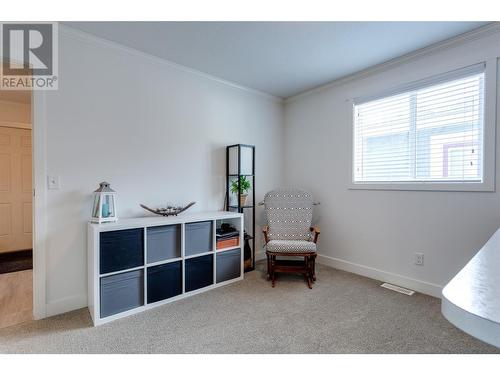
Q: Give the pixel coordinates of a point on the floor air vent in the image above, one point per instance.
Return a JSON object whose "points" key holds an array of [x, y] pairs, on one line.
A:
{"points": [[399, 289]]}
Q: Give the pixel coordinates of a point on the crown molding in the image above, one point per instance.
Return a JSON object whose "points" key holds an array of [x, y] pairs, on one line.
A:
{"points": [[92, 39], [475, 34], [481, 32]]}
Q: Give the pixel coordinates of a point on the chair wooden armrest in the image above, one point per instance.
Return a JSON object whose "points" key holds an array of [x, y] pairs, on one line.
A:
{"points": [[265, 230], [316, 233]]}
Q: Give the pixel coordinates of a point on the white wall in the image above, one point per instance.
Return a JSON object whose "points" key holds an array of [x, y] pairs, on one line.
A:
{"points": [[376, 232], [155, 131]]}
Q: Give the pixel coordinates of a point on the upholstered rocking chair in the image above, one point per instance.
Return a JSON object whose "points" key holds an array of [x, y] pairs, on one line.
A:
{"points": [[289, 233]]}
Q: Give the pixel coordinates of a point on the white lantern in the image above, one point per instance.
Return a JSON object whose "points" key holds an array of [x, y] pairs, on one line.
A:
{"points": [[104, 204]]}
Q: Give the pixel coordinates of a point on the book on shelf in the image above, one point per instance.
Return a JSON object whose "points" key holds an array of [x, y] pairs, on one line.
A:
{"points": [[233, 233], [225, 243], [227, 236]]}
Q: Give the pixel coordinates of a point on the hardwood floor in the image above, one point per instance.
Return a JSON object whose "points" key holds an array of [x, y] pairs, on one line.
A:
{"points": [[16, 298]]}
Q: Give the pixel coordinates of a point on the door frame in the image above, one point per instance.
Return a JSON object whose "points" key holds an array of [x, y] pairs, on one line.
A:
{"points": [[39, 203], [39, 152]]}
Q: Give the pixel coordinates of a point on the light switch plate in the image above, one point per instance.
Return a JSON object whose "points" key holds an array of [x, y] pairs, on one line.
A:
{"points": [[53, 182]]}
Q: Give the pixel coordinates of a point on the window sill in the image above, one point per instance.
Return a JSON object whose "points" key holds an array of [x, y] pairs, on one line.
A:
{"points": [[426, 186]]}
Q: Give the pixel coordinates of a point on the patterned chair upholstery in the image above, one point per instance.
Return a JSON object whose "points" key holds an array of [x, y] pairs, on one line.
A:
{"points": [[289, 231], [291, 246]]}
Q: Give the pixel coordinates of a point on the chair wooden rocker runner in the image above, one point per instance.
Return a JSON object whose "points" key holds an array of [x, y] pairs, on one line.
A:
{"points": [[289, 234]]}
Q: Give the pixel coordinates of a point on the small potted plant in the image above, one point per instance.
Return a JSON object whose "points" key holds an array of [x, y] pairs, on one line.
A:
{"points": [[244, 186]]}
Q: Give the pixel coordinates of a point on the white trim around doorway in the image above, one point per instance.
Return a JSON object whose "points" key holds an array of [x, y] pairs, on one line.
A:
{"points": [[39, 121]]}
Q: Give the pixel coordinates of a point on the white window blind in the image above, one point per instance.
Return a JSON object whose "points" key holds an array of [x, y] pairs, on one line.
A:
{"points": [[428, 132]]}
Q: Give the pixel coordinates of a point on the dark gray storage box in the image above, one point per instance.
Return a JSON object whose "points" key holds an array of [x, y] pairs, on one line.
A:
{"points": [[121, 250], [164, 281], [198, 238], [228, 265], [199, 272], [163, 243], [122, 292]]}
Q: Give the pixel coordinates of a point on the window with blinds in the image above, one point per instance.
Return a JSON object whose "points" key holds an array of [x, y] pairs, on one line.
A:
{"points": [[427, 132]]}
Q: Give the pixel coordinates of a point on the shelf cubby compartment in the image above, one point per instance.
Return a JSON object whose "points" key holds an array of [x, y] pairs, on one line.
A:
{"points": [[228, 265], [231, 242], [121, 250], [198, 238], [164, 281], [199, 272], [121, 292], [163, 243]]}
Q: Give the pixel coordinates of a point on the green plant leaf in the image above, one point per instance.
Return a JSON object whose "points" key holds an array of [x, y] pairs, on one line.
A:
{"points": [[244, 185]]}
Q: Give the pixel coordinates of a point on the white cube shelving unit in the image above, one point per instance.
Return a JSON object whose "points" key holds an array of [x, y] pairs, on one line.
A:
{"points": [[123, 279]]}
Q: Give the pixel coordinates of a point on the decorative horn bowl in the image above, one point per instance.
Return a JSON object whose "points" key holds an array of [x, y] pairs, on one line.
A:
{"points": [[169, 211]]}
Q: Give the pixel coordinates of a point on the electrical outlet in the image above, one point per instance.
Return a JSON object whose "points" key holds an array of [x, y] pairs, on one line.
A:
{"points": [[419, 259]]}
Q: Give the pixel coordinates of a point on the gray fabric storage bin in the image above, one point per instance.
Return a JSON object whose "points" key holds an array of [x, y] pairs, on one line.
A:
{"points": [[228, 265], [199, 272], [198, 238], [121, 250], [122, 292], [163, 243]]}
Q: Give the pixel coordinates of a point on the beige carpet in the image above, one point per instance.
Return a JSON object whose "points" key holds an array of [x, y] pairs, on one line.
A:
{"points": [[344, 313]]}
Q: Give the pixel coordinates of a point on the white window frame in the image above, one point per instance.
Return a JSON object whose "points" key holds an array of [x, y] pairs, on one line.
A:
{"points": [[489, 135]]}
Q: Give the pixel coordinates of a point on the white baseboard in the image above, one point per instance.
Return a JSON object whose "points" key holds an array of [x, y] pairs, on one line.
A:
{"points": [[77, 302], [66, 304], [374, 273]]}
